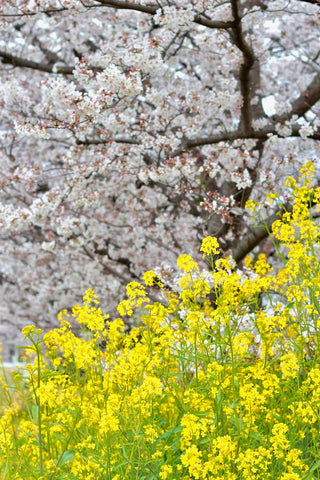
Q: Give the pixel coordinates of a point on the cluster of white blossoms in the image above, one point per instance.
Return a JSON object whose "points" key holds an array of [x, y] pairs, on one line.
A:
{"points": [[172, 17], [284, 130], [306, 131], [241, 178], [12, 93], [24, 128]]}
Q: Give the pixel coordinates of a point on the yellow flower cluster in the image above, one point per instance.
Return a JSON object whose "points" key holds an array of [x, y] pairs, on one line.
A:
{"points": [[212, 384], [137, 297], [186, 263], [210, 246], [151, 279]]}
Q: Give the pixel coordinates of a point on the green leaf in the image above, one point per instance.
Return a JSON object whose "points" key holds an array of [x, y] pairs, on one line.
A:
{"points": [[315, 466], [290, 305], [35, 412], [66, 457]]}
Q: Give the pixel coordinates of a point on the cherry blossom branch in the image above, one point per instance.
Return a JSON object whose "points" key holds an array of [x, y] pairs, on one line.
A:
{"points": [[262, 134], [309, 97], [8, 58], [152, 10], [122, 5], [129, 141], [31, 14]]}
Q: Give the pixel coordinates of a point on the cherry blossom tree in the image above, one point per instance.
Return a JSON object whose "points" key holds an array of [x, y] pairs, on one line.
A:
{"points": [[132, 129]]}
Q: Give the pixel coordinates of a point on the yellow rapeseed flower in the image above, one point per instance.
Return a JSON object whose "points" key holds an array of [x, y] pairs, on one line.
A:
{"points": [[209, 246], [186, 263], [151, 279]]}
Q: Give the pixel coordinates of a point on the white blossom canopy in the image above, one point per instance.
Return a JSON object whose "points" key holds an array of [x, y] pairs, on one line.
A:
{"points": [[131, 129]]}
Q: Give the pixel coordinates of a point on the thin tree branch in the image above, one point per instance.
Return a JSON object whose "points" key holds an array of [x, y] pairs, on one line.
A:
{"points": [[262, 134], [8, 58], [123, 5], [130, 141], [152, 10], [23, 14]]}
